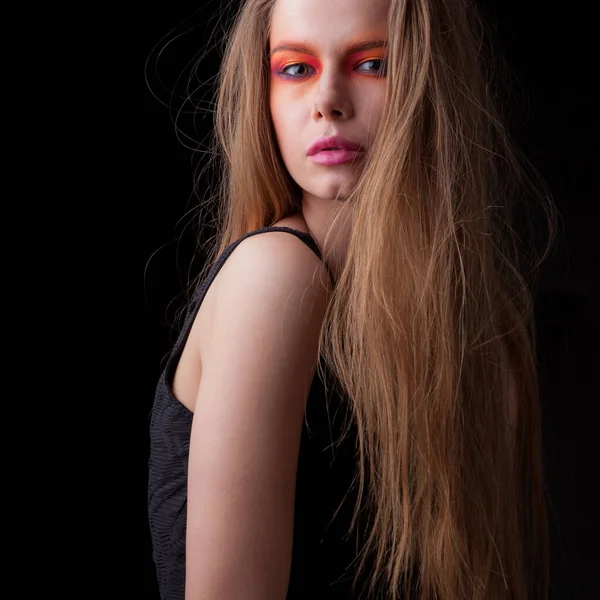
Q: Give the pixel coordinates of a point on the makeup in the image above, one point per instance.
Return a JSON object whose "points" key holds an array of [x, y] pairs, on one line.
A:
{"points": [[336, 157], [305, 58]]}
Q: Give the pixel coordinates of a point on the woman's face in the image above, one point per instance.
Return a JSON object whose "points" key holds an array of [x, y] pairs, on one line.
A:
{"points": [[327, 79]]}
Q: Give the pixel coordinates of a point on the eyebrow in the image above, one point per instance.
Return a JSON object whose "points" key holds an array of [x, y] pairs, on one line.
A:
{"points": [[306, 49]]}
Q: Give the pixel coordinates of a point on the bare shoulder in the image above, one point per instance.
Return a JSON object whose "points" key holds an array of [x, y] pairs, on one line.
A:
{"points": [[273, 269], [271, 282], [259, 358]]}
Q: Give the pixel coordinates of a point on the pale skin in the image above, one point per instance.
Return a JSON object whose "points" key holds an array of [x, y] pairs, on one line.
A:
{"points": [[338, 94], [247, 367], [333, 91]]}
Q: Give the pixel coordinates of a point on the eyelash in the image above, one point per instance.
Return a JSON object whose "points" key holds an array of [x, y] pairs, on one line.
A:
{"points": [[288, 76]]}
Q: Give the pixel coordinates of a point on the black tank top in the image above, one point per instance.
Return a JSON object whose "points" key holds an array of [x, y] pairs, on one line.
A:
{"points": [[322, 551]]}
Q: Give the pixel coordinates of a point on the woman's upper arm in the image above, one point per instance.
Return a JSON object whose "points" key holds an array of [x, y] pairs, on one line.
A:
{"points": [[257, 367]]}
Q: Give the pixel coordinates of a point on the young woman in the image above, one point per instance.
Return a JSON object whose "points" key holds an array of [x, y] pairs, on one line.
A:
{"points": [[352, 405]]}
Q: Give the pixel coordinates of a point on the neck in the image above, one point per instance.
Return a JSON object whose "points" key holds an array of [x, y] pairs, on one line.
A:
{"points": [[318, 216]]}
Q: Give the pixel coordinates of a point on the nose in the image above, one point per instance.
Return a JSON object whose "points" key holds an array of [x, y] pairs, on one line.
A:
{"points": [[332, 102]]}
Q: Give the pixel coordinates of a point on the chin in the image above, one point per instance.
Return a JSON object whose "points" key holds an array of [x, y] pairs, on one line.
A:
{"points": [[336, 186]]}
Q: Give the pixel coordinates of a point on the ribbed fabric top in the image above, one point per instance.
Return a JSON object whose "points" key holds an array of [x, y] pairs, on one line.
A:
{"points": [[321, 553]]}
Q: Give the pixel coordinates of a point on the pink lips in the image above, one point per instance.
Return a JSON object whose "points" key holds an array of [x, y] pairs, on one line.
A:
{"points": [[334, 150]]}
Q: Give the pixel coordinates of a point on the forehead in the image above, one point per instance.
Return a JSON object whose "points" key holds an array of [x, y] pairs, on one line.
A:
{"points": [[327, 23]]}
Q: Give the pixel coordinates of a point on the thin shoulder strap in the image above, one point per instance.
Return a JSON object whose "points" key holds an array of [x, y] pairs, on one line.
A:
{"points": [[199, 293], [305, 237]]}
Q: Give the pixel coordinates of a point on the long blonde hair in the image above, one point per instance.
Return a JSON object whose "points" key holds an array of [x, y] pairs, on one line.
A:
{"points": [[430, 328]]}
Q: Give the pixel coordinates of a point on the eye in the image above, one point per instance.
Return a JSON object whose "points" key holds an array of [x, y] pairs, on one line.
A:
{"points": [[378, 63], [295, 71]]}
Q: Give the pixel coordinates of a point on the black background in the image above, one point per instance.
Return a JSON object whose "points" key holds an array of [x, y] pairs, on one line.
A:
{"points": [[552, 51]]}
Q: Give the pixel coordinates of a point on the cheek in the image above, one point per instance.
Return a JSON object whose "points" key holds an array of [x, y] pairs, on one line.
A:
{"points": [[284, 118], [372, 106], [274, 106]]}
